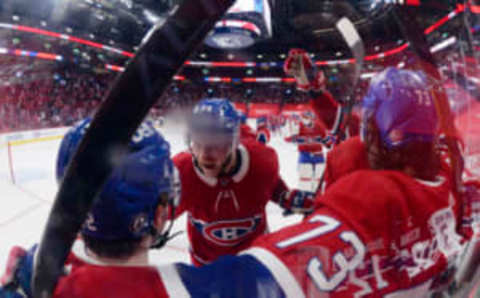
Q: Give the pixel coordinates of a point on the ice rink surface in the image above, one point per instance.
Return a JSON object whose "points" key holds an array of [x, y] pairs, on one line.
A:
{"points": [[26, 203]]}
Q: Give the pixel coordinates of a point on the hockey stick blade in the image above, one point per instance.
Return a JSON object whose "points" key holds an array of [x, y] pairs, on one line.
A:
{"points": [[146, 76]]}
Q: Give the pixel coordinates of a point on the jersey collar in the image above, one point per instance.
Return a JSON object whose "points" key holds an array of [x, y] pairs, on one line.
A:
{"points": [[438, 181], [79, 250]]}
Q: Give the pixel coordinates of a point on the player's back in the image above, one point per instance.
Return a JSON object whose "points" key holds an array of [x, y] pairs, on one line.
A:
{"points": [[90, 281], [344, 159], [377, 233]]}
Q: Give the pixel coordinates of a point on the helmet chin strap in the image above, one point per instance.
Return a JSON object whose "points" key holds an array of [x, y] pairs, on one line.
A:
{"points": [[160, 239]]}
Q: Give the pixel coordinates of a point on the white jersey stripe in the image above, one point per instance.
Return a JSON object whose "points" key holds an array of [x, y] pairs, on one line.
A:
{"points": [[280, 272], [172, 281]]}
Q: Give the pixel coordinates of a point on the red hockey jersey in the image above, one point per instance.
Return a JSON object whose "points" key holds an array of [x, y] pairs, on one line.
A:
{"points": [[329, 111], [88, 278], [377, 234], [226, 214], [345, 158], [310, 138], [326, 108]]}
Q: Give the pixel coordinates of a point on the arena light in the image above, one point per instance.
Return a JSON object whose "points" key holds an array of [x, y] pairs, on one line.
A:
{"points": [[367, 75], [245, 23], [151, 17], [460, 8], [443, 44]]}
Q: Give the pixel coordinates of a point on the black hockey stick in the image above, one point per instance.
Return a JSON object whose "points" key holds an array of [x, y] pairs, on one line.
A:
{"points": [[160, 56], [406, 19]]}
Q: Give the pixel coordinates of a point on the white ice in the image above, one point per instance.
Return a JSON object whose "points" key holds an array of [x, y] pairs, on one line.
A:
{"points": [[26, 204]]}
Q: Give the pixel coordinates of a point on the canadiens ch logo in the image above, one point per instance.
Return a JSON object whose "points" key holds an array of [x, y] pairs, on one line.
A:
{"points": [[227, 232]]}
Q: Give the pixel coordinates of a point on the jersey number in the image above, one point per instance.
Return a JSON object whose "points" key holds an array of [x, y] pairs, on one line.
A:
{"points": [[344, 265], [143, 132]]}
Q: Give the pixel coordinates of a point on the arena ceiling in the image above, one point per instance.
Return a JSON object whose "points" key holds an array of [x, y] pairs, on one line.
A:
{"points": [[307, 24]]}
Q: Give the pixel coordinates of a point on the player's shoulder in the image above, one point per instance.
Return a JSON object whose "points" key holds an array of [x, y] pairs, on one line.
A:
{"points": [[352, 146], [359, 195], [83, 282], [369, 182], [352, 193], [347, 157], [260, 155], [256, 148], [182, 160]]}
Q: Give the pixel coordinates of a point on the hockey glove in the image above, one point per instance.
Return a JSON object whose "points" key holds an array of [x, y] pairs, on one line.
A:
{"points": [[299, 65], [297, 201], [18, 274]]}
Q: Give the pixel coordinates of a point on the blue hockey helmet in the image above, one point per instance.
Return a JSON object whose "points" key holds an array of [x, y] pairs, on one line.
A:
{"points": [[214, 119], [400, 104], [145, 178]]}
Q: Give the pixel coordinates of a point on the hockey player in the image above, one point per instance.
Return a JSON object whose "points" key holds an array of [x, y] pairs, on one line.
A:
{"points": [[262, 133], [226, 184], [312, 146], [309, 79], [387, 231], [125, 222]]}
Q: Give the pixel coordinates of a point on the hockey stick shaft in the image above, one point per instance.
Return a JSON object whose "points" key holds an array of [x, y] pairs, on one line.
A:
{"points": [[405, 17], [160, 56], [355, 43]]}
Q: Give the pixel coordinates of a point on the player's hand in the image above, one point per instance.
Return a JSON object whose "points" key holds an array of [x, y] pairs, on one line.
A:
{"points": [[298, 202], [329, 140], [297, 62], [18, 274], [299, 65]]}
